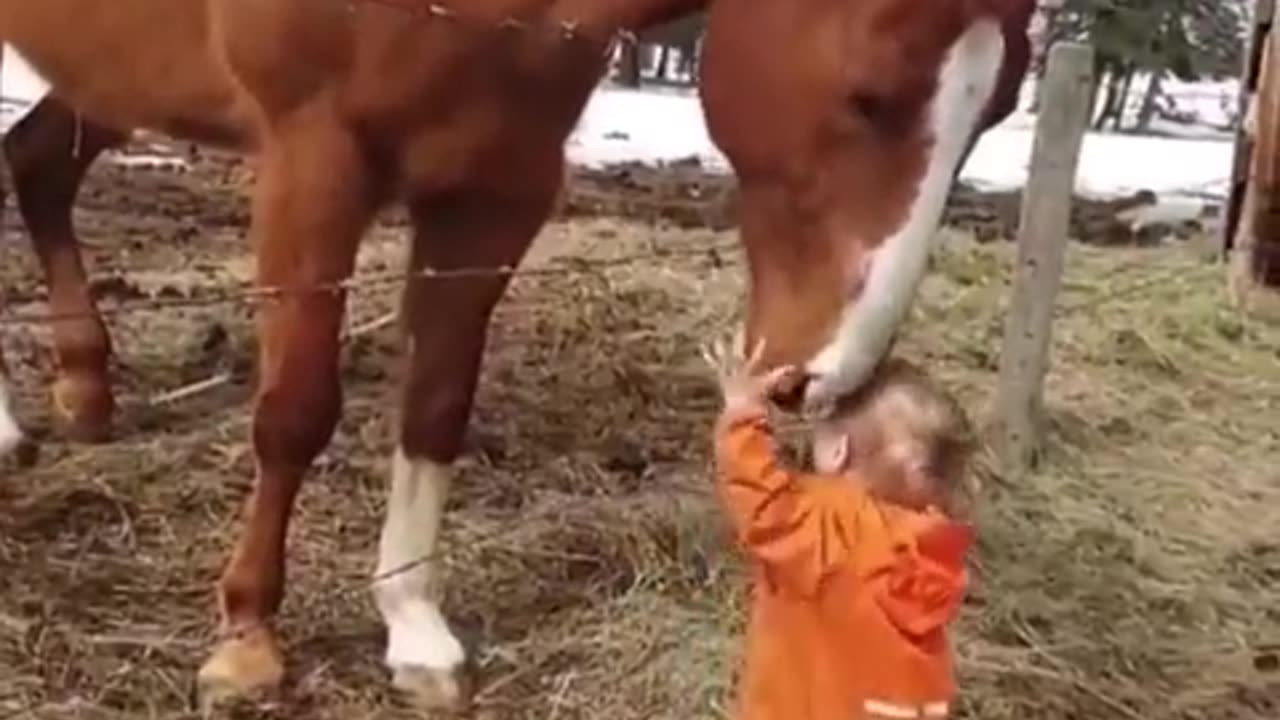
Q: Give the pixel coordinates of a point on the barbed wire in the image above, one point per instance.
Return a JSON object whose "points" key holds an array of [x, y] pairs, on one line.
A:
{"points": [[715, 252], [568, 266]]}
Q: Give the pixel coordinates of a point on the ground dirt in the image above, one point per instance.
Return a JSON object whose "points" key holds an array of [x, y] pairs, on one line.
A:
{"points": [[1135, 575]]}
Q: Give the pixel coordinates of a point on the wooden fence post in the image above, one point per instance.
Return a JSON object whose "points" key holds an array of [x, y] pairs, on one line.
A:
{"points": [[1242, 149], [1042, 238]]}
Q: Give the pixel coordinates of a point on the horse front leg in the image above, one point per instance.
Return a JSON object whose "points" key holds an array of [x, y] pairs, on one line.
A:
{"points": [[49, 151], [315, 196], [447, 321]]}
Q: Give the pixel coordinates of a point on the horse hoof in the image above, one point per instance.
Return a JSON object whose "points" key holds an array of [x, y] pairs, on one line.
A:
{"points": [[242, 667], [434, 690], [82, 408]]}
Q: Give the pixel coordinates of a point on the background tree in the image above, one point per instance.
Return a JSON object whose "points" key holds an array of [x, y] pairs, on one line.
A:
{"points": [[1140, 45], [1191, 40]]}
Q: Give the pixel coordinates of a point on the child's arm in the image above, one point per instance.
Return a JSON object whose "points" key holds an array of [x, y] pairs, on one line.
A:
{"points": [[783, 520]]}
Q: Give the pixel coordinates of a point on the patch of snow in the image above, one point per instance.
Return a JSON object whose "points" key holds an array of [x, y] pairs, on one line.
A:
{"points": [[1110, 164], [653, 126], [620, 125], [665, 124], [20, 87]]}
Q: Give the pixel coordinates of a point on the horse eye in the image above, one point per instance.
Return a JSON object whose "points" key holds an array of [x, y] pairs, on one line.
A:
{"points": [[872, 108], [884, 114]]}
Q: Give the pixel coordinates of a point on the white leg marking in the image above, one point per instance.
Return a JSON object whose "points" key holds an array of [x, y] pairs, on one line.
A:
{"points": [[965, 84], [417, 633], [10, 433]]}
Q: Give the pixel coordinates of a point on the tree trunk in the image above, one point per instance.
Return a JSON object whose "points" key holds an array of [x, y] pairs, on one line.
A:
{"points": [[1099, 78], [629, 64], [1147, 112], [1048, 33], [1106, 90], [1122, 102], [692, 60], [687, 69], [1110, 107]]}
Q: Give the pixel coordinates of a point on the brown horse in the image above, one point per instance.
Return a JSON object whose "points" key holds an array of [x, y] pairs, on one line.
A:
{"points": [[844, 120]]}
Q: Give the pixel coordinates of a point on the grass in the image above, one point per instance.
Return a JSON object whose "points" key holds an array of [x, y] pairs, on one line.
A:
{"points": [[1136, 574]]}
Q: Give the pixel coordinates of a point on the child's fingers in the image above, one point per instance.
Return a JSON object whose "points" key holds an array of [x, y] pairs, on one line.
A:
{"points": [[727, 356], [780, 380], [780, 375]]}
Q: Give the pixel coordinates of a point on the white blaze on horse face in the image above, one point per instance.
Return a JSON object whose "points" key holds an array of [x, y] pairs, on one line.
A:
{"points": [[965, 84], [10, 433], [418, 636]]}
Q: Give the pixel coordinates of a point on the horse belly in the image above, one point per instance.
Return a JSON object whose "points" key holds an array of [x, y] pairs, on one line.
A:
{"points": [[132, 64]]}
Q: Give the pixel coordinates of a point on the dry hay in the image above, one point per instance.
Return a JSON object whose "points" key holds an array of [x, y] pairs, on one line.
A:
{"points": [[1136, 576]]}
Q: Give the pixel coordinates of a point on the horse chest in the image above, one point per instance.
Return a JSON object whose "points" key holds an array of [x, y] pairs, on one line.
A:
{"points": [[456, 113], [494, 138]]}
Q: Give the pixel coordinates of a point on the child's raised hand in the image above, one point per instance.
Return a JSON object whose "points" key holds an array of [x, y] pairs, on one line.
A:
{"points": [[742, 384]]}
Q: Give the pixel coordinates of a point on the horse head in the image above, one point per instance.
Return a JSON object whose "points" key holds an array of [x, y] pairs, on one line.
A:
{"points": [[846, 122]]}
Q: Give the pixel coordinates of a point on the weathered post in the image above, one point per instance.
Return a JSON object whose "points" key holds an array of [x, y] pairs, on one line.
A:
{"points": [[1253, 211], [1042, 238], [628, 70], [1250, 71]]}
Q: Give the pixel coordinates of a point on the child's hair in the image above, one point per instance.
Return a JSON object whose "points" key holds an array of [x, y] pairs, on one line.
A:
{"points": [[901, 401]]}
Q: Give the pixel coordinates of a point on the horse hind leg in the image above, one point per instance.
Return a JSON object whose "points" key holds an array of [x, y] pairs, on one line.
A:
{"points": [[48, 152], [447, 320], [10, 432]]}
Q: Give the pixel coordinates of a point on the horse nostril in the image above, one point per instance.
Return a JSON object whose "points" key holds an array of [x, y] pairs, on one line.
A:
{"points": [[790, 394]]}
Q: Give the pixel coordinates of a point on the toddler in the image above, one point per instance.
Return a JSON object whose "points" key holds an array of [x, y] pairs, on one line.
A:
{"points": [[858, 564]]}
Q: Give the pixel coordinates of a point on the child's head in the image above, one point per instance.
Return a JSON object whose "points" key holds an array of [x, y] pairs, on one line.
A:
{"points": [[906, 438]]}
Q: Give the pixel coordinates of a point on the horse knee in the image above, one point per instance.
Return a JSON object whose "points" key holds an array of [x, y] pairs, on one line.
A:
{"points": [[295, 417]]}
